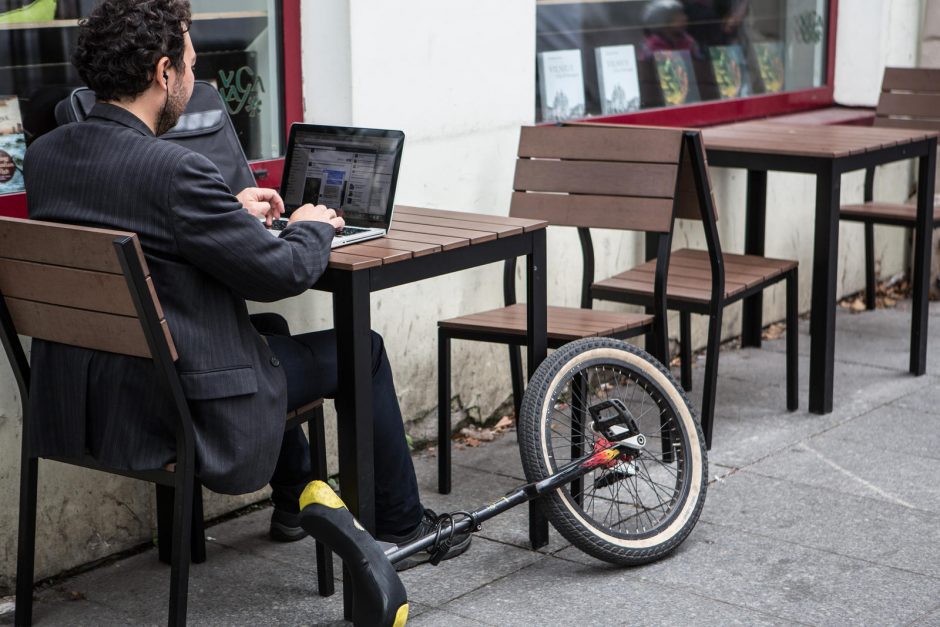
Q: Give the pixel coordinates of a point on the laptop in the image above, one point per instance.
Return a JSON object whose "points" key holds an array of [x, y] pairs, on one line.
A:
{"points": [[351, 170]]}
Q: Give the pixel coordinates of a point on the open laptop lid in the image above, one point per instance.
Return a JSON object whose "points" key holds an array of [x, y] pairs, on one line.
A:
{"points": [[352, 170]]}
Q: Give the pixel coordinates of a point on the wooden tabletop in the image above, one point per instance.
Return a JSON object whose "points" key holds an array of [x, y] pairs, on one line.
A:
{"points": [[417, 232], [782, 138]]}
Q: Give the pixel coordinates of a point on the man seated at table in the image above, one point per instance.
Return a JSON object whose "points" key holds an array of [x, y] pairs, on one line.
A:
{"points": [[207, 251]]}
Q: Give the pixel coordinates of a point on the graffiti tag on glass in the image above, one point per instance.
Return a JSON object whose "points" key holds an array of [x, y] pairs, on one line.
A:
{"points": [[241, 90]]}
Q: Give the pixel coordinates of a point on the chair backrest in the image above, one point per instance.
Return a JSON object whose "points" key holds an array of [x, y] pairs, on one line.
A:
{"points": [[205, 127], [910, 98], [598, 177], [79, 286]]}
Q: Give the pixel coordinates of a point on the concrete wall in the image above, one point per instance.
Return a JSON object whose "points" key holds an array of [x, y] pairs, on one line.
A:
{"points": [[459, 79]]}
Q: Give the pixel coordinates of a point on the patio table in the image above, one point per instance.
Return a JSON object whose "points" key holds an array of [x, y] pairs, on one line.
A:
{"points": [[827, 152], [421, 244]]}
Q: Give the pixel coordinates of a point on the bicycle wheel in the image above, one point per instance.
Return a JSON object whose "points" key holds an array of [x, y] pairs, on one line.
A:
{"points": [[639, 507]]}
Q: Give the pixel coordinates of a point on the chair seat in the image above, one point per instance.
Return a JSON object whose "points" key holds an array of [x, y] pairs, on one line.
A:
{"points": [[690, 276], [885, 212], [564, 323]]}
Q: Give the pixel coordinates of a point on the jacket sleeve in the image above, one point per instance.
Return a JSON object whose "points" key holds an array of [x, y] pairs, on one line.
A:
{"points": [[216, 234]]}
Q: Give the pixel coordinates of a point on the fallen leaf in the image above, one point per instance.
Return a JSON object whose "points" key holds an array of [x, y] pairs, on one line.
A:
{"points": [[75, 595], [504, 423]]}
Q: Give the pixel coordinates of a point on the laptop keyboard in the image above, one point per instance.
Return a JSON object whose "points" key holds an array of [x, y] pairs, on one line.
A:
{"points": [[349, 230], [280, 224]]}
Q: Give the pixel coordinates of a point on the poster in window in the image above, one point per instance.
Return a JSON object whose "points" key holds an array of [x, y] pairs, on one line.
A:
{"points": [[617, 79], [561, 84], [676, 77], [769, 56], [730, 69], [12, 146]]}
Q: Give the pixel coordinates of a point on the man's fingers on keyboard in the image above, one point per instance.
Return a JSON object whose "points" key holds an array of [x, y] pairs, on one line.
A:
{"points": [[337, 223]]}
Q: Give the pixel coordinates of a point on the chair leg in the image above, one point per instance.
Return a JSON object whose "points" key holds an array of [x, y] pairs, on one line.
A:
{"points": [[793, 294], [869, 265], [181, 544], [165, 499], [164, 522], [325, 583], [26, 544], [198, 530], [443, 413], [685, 348], [710, 384]]}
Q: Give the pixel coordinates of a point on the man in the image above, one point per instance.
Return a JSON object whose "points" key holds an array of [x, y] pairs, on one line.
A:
{"points": [[207, 252]]}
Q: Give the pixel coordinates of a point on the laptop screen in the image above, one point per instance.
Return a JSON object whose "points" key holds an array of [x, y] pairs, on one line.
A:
{"points": [[352, 170]]}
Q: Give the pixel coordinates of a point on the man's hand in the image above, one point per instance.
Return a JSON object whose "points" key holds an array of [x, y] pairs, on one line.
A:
{"points": [[319, 213], [264, 204]]}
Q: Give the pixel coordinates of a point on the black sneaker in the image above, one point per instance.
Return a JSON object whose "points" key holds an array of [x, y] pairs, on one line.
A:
{"points": [[285, 526], [428, 524]]}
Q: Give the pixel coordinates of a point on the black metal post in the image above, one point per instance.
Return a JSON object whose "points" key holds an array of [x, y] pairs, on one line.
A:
{"points": [[793, 320], [352, 320], [754, 237], [325, 584], [923, 236], [443, 412], [823, 317], [537, 339]]}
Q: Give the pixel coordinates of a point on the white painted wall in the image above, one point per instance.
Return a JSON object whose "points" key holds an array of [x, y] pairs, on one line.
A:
{"points": [[459, 79]]}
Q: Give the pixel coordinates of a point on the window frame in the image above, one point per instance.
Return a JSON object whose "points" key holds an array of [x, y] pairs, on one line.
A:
{"points": [[268, 171], [758, 106]]}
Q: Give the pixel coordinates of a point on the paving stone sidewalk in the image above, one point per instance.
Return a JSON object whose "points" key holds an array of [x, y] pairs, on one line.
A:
{"points": [[816, 520]]}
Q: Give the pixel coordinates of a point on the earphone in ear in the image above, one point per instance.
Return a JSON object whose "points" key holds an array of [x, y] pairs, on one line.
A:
{"points": [[166, 77]]}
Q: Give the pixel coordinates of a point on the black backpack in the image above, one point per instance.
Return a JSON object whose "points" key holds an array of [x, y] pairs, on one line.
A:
{"points": [[204, 127]]}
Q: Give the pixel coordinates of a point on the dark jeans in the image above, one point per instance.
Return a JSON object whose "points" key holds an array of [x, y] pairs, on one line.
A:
{"points": [[309, 361]]}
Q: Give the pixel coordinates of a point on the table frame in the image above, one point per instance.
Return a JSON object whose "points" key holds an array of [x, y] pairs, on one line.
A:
{"points": [[828, 172], [352, 289]]}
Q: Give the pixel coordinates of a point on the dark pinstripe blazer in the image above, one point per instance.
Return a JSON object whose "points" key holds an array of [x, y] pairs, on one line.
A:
{"points": [[206, 255]]}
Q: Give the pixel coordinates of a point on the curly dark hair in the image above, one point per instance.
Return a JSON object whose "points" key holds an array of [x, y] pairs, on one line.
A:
{"points": [[120, 42]]}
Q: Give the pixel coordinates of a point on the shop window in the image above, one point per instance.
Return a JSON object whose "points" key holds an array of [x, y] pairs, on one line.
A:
{"points": [[239, 51], [602, 58]]}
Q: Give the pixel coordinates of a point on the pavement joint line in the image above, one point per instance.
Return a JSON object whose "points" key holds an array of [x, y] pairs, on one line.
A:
{"points": [[251, 553], [695, 593], [486, 472], [810, 485], [919, 619], [823, 431], [491, 582], [854, 477], [817, 549]]}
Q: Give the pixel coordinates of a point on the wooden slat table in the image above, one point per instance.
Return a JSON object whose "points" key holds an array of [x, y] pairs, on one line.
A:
{"points": [[827, 152], [421, 244]]}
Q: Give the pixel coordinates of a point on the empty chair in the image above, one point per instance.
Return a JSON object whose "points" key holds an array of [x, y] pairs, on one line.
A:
{"points": [[691, 287], [577, 176], [910, 98]]}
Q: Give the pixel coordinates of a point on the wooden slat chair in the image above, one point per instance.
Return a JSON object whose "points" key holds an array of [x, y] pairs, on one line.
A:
{"points": [[585, 178], [910, 98], [91, 288], [691, 290]]}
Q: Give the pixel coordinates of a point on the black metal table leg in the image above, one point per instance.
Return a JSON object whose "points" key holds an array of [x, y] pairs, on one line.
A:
{"points": [[754, 236], [923, 236], [537, 324], [822, 324], [351, 318]]}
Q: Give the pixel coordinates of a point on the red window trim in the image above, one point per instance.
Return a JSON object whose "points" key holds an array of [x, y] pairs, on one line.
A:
{"points": [[718, 112], [15, 204]]}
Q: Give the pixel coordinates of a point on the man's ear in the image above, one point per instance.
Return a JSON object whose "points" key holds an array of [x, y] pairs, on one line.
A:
{"points": [[162, 76]]}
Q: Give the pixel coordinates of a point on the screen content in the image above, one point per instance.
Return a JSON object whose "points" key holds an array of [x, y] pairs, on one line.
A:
{"points": [[350, 174]]}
